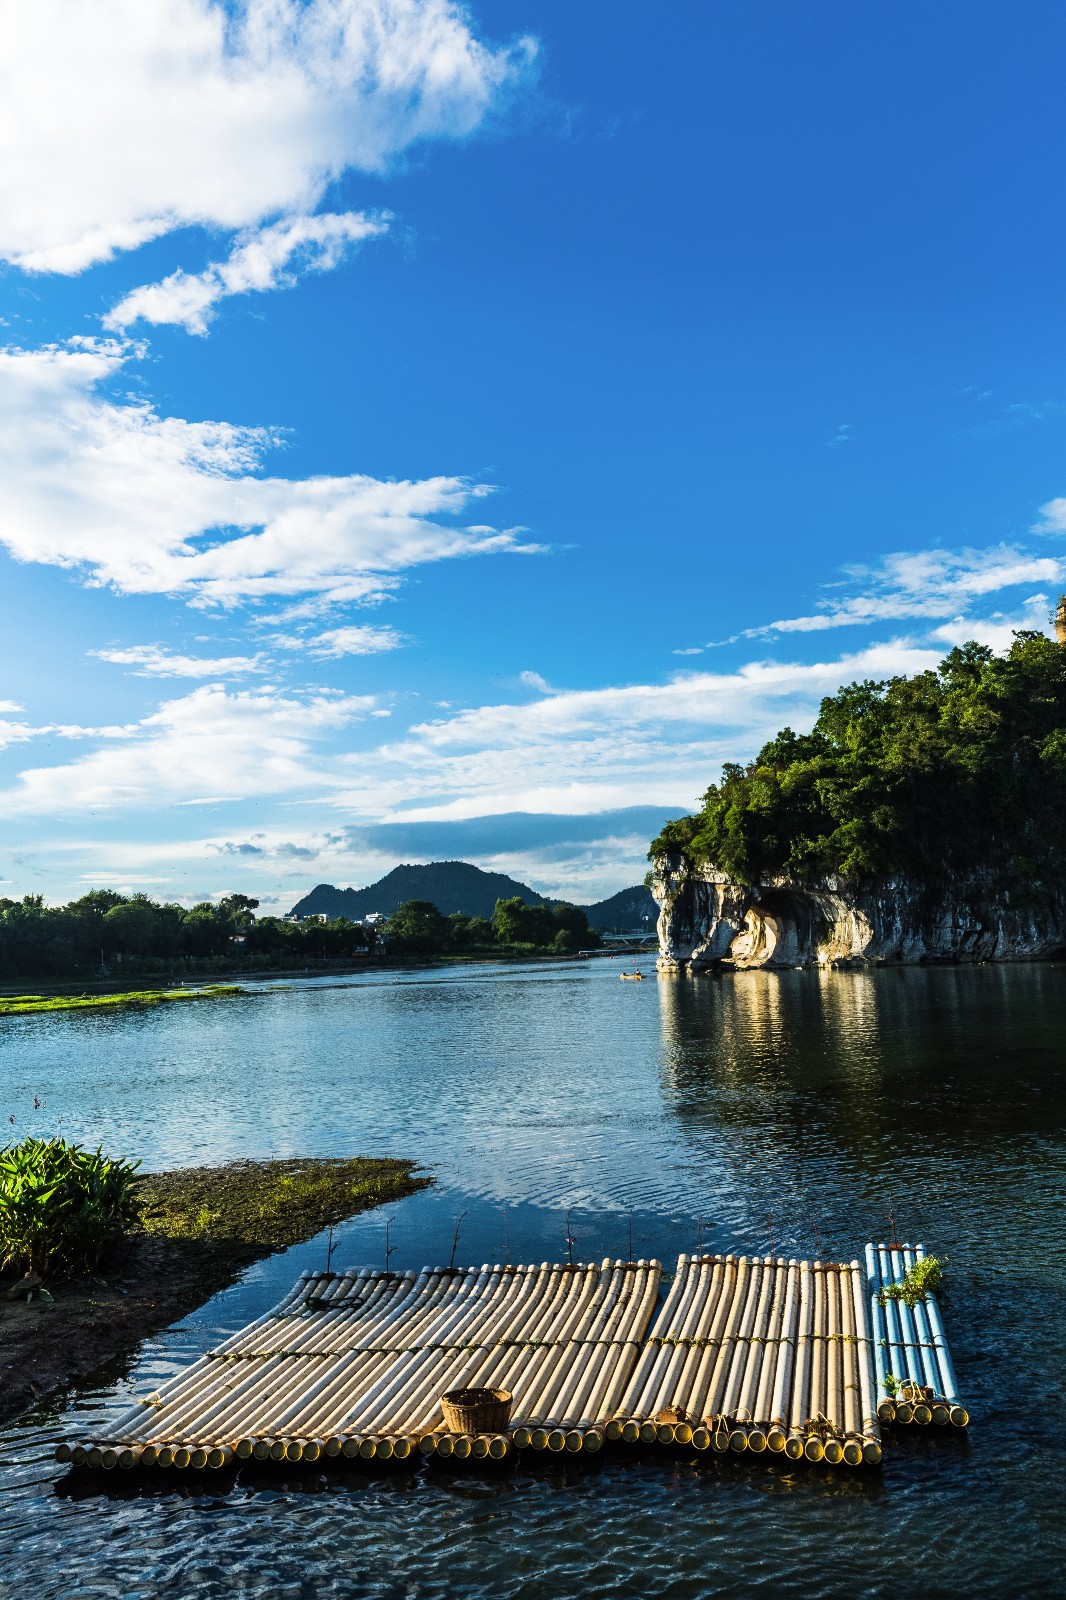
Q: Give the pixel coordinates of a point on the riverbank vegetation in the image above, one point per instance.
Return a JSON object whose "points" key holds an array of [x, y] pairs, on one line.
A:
{"points": [[63, 1208], [950, 772], [14, 1005], [110, 935], [515, 928], [132, 1253]]}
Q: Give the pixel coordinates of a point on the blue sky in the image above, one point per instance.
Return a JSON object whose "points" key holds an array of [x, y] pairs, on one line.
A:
{"points": [[441, 431]]}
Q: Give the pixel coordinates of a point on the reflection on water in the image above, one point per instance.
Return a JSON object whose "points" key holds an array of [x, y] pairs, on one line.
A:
{"points": [[797, 1106]]}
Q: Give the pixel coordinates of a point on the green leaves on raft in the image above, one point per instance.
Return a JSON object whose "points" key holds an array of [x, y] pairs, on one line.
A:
{"points": [[923, 1278]]}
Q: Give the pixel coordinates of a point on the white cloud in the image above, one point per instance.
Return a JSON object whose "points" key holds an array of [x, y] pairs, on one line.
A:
{"points": [[576, 751], [121, 121], [269, 258], [582, 751], [997, 631], [156, 661], [149, 504], [1053, 517], [926, 585], [332, 643], [12, 732], [209, 745]]}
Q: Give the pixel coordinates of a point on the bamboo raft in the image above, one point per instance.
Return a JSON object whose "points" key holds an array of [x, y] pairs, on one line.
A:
{"points": [[759, 1354], [915, 1374], [355, 1365]]}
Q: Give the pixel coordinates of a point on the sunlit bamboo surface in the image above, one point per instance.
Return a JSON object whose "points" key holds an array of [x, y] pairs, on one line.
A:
{"points": [[914, 1373], [756, 1353], [803, 1359], [355, 1364]]}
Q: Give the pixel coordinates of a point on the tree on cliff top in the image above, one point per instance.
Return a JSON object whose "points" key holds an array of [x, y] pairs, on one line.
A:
{"points": [[952, 771]]}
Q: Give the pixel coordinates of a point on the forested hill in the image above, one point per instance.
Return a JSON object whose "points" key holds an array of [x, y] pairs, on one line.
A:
{"points": [[452, 886], [948, 773], [628, 910], [458, 886]]}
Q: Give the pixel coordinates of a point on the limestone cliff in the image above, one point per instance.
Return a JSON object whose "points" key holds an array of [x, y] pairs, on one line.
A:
{"points": [[706, 921]]}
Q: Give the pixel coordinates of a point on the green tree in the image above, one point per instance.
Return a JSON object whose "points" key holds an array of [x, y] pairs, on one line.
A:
{"points": [[417, 928], [952, 771]]}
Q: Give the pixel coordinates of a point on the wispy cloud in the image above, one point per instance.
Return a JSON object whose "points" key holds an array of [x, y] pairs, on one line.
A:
{"points": [[156, 661], [586, 750], [185, 112], [362, 639], [928, 586], [158, 505], [269, 258]]}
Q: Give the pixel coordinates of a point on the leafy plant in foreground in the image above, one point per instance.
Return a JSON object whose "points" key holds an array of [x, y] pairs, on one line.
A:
{"points": [[62, 1207]]}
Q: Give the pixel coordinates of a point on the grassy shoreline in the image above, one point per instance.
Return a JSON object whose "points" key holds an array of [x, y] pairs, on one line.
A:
{"points": [[204, 1226], [18, 1004]]}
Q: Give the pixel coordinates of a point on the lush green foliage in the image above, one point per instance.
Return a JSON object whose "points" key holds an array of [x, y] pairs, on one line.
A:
{"points": [[954, 771], [418, 928], [135, 935], [61, 1207]]}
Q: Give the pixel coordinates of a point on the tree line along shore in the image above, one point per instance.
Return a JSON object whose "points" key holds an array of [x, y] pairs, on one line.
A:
{"points": [[105, 934]]}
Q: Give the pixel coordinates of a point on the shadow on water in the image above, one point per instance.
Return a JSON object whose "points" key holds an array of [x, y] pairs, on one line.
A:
{"points": [[471, 1480]]}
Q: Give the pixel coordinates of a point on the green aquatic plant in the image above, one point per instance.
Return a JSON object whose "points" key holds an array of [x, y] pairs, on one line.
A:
{"points": [[63, 1207], [919, 1280], [14, 1005]]}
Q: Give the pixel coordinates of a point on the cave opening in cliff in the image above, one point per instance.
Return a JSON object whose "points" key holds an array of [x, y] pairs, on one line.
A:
{"points": [[782, 929]]}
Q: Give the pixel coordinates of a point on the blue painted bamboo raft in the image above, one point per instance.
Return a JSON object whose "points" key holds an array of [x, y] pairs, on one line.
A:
{"points": [[916, 1380]]}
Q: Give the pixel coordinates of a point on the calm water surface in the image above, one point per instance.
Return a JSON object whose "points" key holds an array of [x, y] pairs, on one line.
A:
{"points": [[794, 1107]]}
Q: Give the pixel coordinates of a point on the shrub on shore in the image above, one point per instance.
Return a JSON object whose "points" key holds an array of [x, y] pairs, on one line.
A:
{"points": [[63, 1207]]}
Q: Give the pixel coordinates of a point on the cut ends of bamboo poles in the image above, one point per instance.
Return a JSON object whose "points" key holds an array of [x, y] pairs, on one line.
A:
{"points": [[915, 1375], [758, 1356]]}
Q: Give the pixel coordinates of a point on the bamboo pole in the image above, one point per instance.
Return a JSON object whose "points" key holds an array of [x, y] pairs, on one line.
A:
{"points": [[949, 1386], [852, 1394], [716, 1407], [897, 1361], [870, 1426], [834, 1408], [744, 1409], [886, 1409], [776, 1436]]}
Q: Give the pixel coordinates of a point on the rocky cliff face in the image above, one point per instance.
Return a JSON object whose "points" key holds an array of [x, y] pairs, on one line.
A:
{"points": [[705, 921]]}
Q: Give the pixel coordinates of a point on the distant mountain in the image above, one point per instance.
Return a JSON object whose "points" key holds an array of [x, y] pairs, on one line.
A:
{"points": [[625, 911], [459, 886], [450, 885]]}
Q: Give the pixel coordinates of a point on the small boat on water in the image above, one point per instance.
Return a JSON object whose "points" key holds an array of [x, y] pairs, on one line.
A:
{"points": [[630, 977]]}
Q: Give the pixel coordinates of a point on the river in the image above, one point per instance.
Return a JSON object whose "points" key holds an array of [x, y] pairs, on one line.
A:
{"points": [[798, 1108]]}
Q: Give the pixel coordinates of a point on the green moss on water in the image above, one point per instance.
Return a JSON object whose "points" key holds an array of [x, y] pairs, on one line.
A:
{"points": [[15, 1005], [244, 1211]]}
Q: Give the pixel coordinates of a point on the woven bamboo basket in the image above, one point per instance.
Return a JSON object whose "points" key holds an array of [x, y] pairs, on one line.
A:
{"points": [[476, 1410]]}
